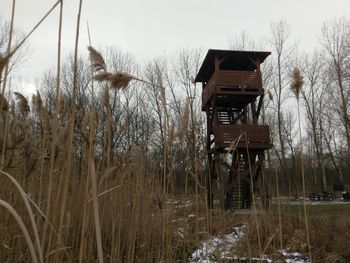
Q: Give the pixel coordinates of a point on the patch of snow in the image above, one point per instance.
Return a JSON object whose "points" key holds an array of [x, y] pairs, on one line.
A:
{"points": [[187, 204], [171, 202], [296, 261], [221, 246], [180, 231], [264, 259], [287, 254], [293, 257], [191, 216]]}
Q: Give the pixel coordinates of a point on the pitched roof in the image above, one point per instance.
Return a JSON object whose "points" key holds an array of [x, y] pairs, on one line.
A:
{"points": [[233, 60]]}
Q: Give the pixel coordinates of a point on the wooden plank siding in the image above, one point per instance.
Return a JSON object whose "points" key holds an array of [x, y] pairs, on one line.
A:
{"points": [[258, 136], [229, 82]]}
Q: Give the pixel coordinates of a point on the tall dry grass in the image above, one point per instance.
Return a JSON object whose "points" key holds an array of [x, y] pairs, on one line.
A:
{"points": [[75, 200], [296, 85], [128, 212]]}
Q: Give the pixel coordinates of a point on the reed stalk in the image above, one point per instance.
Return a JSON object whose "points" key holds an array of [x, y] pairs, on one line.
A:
{"points": [[296, 85], [304, 190], [253, 196], [49, 223], [23, 228], [279, 210], [68, 164], [82, 242], [91, 161], [54, 129], [6, 132], [29, 211]]}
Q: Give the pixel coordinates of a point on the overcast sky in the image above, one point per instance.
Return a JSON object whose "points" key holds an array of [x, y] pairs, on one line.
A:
{"points": [[151, 28]]}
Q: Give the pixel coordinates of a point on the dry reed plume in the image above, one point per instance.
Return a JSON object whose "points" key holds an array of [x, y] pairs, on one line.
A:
{"points": [[296, 85], [297, 82], [23, 105], [116, 80]]}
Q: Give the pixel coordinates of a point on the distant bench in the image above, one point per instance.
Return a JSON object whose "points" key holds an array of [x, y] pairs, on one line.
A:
{"points": [[324, 196], [338, 191]]}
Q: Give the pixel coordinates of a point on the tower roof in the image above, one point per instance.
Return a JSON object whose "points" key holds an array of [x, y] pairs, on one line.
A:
{"points": [[231, 60]]}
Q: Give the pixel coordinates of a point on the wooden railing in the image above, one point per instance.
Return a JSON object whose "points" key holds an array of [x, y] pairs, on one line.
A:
{"points": [[232, 83], [241, 79], [255, 136]]}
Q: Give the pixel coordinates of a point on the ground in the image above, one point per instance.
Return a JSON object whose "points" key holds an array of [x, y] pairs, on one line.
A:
{"points": [[265, 236]]}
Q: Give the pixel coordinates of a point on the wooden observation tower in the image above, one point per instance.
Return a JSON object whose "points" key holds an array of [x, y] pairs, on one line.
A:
{"points": [[232, 98]]}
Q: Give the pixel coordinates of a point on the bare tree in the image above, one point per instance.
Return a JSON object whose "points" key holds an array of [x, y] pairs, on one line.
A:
{"points": [[245, 41], [282, 55], [17, 35], [313, 98], [335, 38]]}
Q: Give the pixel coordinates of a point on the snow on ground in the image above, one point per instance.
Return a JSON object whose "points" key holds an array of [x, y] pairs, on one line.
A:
{"points": [[187, 204], [180, 231], [293, 257], [218, 248]]}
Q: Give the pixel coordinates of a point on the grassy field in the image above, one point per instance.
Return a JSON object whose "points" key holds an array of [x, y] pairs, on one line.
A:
{"points": [[266, 236], [318, 209]]}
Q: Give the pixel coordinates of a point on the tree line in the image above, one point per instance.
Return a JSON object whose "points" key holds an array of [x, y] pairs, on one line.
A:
{"points": [[159, 123]]}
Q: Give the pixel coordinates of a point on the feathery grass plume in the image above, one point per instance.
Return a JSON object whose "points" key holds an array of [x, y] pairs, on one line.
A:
{"points": [[105, 76], [3, 102], [23, 105], [97, 61], [37, 103], [297, 82], [270, 95], [117, 80], [120, 80]]}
